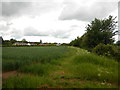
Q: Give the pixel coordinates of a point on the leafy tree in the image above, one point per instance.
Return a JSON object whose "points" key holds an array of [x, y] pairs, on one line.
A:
{"points": [[118, 43], [98, 31], [40, 41], [75, 42], [24, 40], [1, 40], [12, 40]]}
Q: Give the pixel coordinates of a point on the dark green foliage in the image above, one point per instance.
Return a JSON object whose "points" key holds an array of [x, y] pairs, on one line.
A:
{"points": [[24, 40], [40, 41], [1, 40], [75, 42], [107, 50], [7, 43], [118, 43], [117, 53], [13, 41], [99, 31]]}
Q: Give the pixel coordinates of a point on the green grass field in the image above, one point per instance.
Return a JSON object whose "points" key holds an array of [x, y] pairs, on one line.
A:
{"points": [[15, 57], [58, 67]]}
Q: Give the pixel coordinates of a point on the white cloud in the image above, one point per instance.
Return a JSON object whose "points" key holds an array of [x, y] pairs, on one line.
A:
{"points": [[50, 20], [87, 11]]}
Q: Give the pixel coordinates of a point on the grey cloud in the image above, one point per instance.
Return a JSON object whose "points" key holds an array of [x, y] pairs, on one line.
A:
{"points": [[3, 28], [12, 33], [14, 8], [61, 34], [30, 31], [27, 8], [16, 33], [87, 13]]}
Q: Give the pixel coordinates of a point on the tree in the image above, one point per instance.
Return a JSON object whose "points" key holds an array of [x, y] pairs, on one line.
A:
{"points": [[40, 41], [98, 31], [118, 43], [12, 40], [1, 40], [75, 42], [24, 40]]}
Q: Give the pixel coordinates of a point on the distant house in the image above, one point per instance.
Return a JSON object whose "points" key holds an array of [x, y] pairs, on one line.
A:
{"points": [[58, 44], [43, 44], [32, 43], [18, 43], [29, 44]]}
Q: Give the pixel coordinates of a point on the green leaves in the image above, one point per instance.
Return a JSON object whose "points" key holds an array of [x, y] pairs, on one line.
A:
{"points": [[98, 31]]}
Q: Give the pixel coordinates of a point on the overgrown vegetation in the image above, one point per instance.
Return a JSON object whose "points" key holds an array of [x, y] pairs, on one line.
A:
{"points": [[97, 37], [107, 50], [79, 69]]}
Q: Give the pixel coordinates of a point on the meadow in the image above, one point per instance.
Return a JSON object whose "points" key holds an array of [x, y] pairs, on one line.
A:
{"points": [[57, 67]]}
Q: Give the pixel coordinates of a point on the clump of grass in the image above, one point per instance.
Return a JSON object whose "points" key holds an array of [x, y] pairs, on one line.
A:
{"points": [[26, 81], [89, 84], [88, 66], [74, 83], [94, 59], [37, 69], [87, 71], [22, 82]]}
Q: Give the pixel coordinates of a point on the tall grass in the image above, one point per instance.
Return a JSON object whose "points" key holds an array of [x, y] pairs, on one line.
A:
{"points": [[80, 69], [94, 59], [88, 66], [27, 81], [15, 57], [37, 69]]}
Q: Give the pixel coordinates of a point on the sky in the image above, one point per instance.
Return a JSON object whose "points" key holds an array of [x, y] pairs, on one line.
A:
{"points": [[51, 20]]}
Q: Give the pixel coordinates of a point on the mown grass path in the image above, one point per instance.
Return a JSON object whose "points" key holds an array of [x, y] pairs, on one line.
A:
{"points": [[65, 77]]}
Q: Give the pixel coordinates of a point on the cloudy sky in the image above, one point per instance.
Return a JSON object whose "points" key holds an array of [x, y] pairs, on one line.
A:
{"points": [[51, 20]]}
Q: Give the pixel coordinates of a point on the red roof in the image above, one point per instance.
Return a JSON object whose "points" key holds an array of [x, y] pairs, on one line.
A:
{"points": [[43, 44]]}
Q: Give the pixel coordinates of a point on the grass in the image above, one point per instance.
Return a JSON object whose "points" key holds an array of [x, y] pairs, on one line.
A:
{"points": [[91, 67], [15, 57], [77, 68], [27, 81], [36, 69]]}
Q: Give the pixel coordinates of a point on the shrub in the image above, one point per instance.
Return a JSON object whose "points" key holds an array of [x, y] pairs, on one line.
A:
{"points": [[117, 54], [107, 50]]}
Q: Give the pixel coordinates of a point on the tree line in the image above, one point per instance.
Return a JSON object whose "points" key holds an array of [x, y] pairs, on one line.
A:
{"points": [[98, 33]]}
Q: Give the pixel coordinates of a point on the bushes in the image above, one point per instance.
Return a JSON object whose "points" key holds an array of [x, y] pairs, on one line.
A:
{"points": [[117, 53], [107, 50]]}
